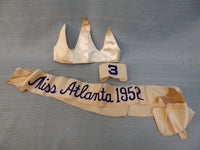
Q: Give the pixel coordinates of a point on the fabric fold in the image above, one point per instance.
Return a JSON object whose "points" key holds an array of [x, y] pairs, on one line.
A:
{"points": [[165, 103], [173, 118]]}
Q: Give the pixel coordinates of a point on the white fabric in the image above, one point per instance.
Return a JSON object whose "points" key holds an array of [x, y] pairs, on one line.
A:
{"points": [[113, 70], [165, 103], [85, 50]]}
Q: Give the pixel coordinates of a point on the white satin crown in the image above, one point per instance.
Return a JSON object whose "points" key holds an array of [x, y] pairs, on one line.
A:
{"points": [[85, 51]]}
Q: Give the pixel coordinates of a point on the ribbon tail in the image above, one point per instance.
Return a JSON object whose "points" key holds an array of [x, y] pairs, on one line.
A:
{"points": [[21, 76], [183, 134], [173, 118]]}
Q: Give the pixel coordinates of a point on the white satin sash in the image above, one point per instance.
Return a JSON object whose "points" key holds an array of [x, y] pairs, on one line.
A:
{"points": [[165, 103]]}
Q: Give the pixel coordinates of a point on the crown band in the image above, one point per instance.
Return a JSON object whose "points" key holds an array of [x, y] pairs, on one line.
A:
{"points": [[85, 51]]}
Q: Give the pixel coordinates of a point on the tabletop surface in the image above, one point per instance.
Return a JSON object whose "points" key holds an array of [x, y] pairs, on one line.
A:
{"points": [[160, 44]]}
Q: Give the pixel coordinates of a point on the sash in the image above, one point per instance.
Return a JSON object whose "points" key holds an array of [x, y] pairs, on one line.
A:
{"points": [[165, 103]]}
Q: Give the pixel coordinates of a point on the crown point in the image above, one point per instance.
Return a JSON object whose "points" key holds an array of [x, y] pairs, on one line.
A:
{"points": [[63, 30], [63, 27], [108, 30], [85, 22]]}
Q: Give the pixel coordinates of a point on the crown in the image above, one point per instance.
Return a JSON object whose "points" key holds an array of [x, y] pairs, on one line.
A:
{"points": [[85, 51]]}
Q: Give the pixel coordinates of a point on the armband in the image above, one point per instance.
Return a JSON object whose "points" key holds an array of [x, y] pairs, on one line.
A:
{"points": [[113, 70]]}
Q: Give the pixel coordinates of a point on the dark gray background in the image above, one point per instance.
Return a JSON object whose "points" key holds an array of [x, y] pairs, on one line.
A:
{"points": [[159, 41]]}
